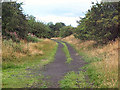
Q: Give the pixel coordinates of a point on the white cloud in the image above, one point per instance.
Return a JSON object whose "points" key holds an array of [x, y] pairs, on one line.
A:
{"points": [[54, 19], [66, 11]]}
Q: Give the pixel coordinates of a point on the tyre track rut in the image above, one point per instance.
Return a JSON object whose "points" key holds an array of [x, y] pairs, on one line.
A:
{"points": [[57, 69]]}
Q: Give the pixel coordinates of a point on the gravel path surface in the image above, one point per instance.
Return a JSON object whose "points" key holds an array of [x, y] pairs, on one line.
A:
{"points": [[57, 69]]}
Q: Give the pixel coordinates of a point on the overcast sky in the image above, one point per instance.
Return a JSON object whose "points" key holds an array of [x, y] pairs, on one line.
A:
{"points": [[66, 11]]}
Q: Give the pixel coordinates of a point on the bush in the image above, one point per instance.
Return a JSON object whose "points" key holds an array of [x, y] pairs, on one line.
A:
{"points": [[32, 39], [100, 23]]}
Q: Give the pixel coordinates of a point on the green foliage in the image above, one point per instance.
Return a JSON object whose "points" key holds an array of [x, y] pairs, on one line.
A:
{"points": [[14, 22], [17, 25], [39, 29], [55, 29], [66, 31], [100, 23], [32, 39]]}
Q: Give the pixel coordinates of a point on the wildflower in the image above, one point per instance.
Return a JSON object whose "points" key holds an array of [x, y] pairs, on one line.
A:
{"points": [[15, 33], [29, 33]]}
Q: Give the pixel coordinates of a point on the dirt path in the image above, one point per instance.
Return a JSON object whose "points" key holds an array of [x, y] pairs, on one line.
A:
{"points": [[56, 70]]}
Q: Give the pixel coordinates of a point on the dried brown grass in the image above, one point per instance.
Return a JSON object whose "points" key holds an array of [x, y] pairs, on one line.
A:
{"points": [[108, 53], [38, 48]]}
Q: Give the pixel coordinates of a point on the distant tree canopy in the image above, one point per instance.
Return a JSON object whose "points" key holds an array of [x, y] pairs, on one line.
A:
{"points": [[100, 23], [66, 31], [16, 25], [56, 28], [39, 29]]}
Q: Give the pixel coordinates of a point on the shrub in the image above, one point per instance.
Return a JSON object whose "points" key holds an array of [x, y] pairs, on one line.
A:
{"points": [[32, 38], [100, 23]]}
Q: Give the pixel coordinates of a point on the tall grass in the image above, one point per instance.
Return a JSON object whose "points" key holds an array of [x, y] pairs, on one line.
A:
{"points": [[12, 50], [38, 54], [14, 53], [103, 61]]}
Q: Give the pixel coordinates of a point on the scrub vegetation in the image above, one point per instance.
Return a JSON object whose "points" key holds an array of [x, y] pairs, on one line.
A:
{"points": [[27, 45], [102, 67]]}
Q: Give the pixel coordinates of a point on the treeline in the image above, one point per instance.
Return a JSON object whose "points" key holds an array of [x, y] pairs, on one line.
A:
{"points": [[60, 29], [16, 25], [100, 23]]}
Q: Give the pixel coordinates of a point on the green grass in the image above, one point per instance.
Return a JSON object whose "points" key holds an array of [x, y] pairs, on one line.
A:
{"points": [[96, 77], [85, 56], [65, 49], [90, 70], [15, 74], [19, 78], [74, 80], [88, 58]]}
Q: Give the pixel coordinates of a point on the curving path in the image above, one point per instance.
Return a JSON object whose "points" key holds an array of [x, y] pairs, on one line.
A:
{"points": [[57, 69]]}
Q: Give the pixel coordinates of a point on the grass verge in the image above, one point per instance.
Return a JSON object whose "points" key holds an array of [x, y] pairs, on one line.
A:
{"points": [[65, 49], [74, 80], [98, 75], [22, 72], [102, 69]]}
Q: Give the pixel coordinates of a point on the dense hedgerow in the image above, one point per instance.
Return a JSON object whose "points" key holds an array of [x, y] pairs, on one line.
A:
{"points": [[100, 23]]}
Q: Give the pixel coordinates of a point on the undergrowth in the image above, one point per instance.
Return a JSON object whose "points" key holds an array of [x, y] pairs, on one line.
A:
{"points": [[17, 72]]}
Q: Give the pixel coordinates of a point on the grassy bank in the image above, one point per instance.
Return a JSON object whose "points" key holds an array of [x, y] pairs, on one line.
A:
{"points": [[102, 69], [20, 60], [65, 49]]}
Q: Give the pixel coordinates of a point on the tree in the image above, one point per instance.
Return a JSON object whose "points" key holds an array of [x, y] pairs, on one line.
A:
{"points": [[57, 27], [13, 20], [66, 31], [100, 23]]}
